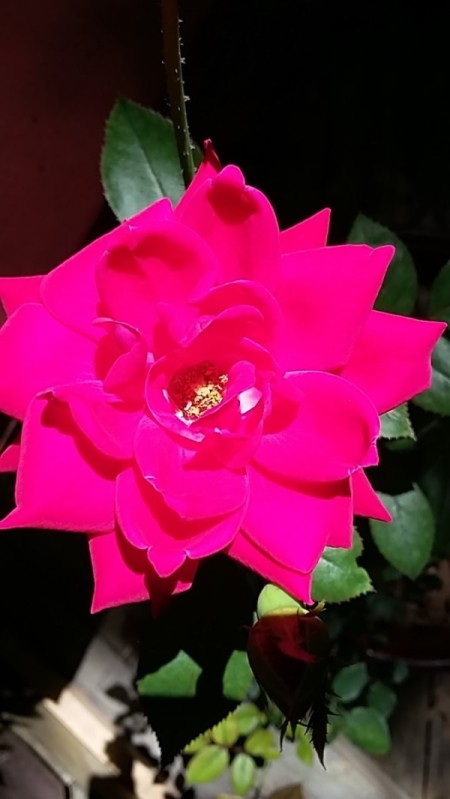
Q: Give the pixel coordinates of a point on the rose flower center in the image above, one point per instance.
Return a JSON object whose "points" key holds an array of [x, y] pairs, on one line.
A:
{"points": [[197, 388]]}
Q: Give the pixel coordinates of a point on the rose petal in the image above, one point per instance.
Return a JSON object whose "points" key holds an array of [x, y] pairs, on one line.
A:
{"points": [[391, 358], [244, 293], [239, 225], [122, 574], [207, 170], [119, 572], [9, 458], [149, 524], [37, 353], [306, 235], [16, 291], [292, 522], [366, 501], [169, 264], [321, 428], [110, 426], [193, 485], [121, 360], [326, 295], [245, 551], [70, 291], [62, 483]]}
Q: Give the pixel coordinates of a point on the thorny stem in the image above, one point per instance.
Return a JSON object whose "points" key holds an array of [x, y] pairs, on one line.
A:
{"points": [[174, 77]]}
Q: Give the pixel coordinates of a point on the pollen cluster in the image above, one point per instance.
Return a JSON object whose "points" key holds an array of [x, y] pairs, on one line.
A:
{"points": [[197, 389]]}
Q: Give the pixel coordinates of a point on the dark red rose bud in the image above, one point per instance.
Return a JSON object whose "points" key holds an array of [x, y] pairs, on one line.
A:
{"points": [[288, 652]]}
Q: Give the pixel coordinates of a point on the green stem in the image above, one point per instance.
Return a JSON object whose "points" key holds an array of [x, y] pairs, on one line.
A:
{"points": [[174, 77]]}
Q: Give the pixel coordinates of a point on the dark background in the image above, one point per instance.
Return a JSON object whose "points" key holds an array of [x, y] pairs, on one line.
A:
{"points": [[320, 103]]}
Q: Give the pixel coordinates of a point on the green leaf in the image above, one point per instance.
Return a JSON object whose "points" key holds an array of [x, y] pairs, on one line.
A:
{"points": [[261, 743], [242, 773], [399, 291], [198, 743], [397, 424], [273, 598], [367, 728], [350, 682], [382, 698], [437, 398], [238, 676], [439, 302], [208, 623], [434, 479], [207, 765], [337, 577], [177, 678], [304, 748], [407, 541], [248, 717], [139, 160], [226, 733]]}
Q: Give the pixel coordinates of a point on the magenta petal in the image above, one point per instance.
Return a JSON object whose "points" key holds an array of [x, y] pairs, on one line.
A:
{"points": [[292, 522], [244, 293], [238, 223], [298, 585], [149, 524], [391, 358], [366, 501], [169, 264], [16, 291], [321, 428], [306, 235], [70, 291], [207, 170], [37, 353], [194, 486], [123, 574], [120, 572], [109, 425], [9, 458], [326, 295], [62, 483], [166, 562]]}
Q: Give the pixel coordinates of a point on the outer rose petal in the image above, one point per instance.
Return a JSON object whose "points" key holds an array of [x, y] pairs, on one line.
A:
{"points": [[170, 263], [292, 522], [119, 572], [9, 459], [37, 353], [15, 291], [207, 170], [326, 295], [109, 426], [61, 483], [122, 574], [194, 486], [149, 524], [323, 428], [391, 358], [70, 291], [245, 551], [238, 223], [366, 501], [312, 232]]}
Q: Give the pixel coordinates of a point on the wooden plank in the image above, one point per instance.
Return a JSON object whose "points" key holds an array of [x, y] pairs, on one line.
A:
{"points": [[436, 780]]}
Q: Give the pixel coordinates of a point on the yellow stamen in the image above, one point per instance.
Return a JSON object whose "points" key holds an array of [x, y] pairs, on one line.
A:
{"points": [[197, 389]]}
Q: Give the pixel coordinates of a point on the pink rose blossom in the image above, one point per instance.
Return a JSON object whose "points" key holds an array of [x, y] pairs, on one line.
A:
{"points": [[197, 382]]}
